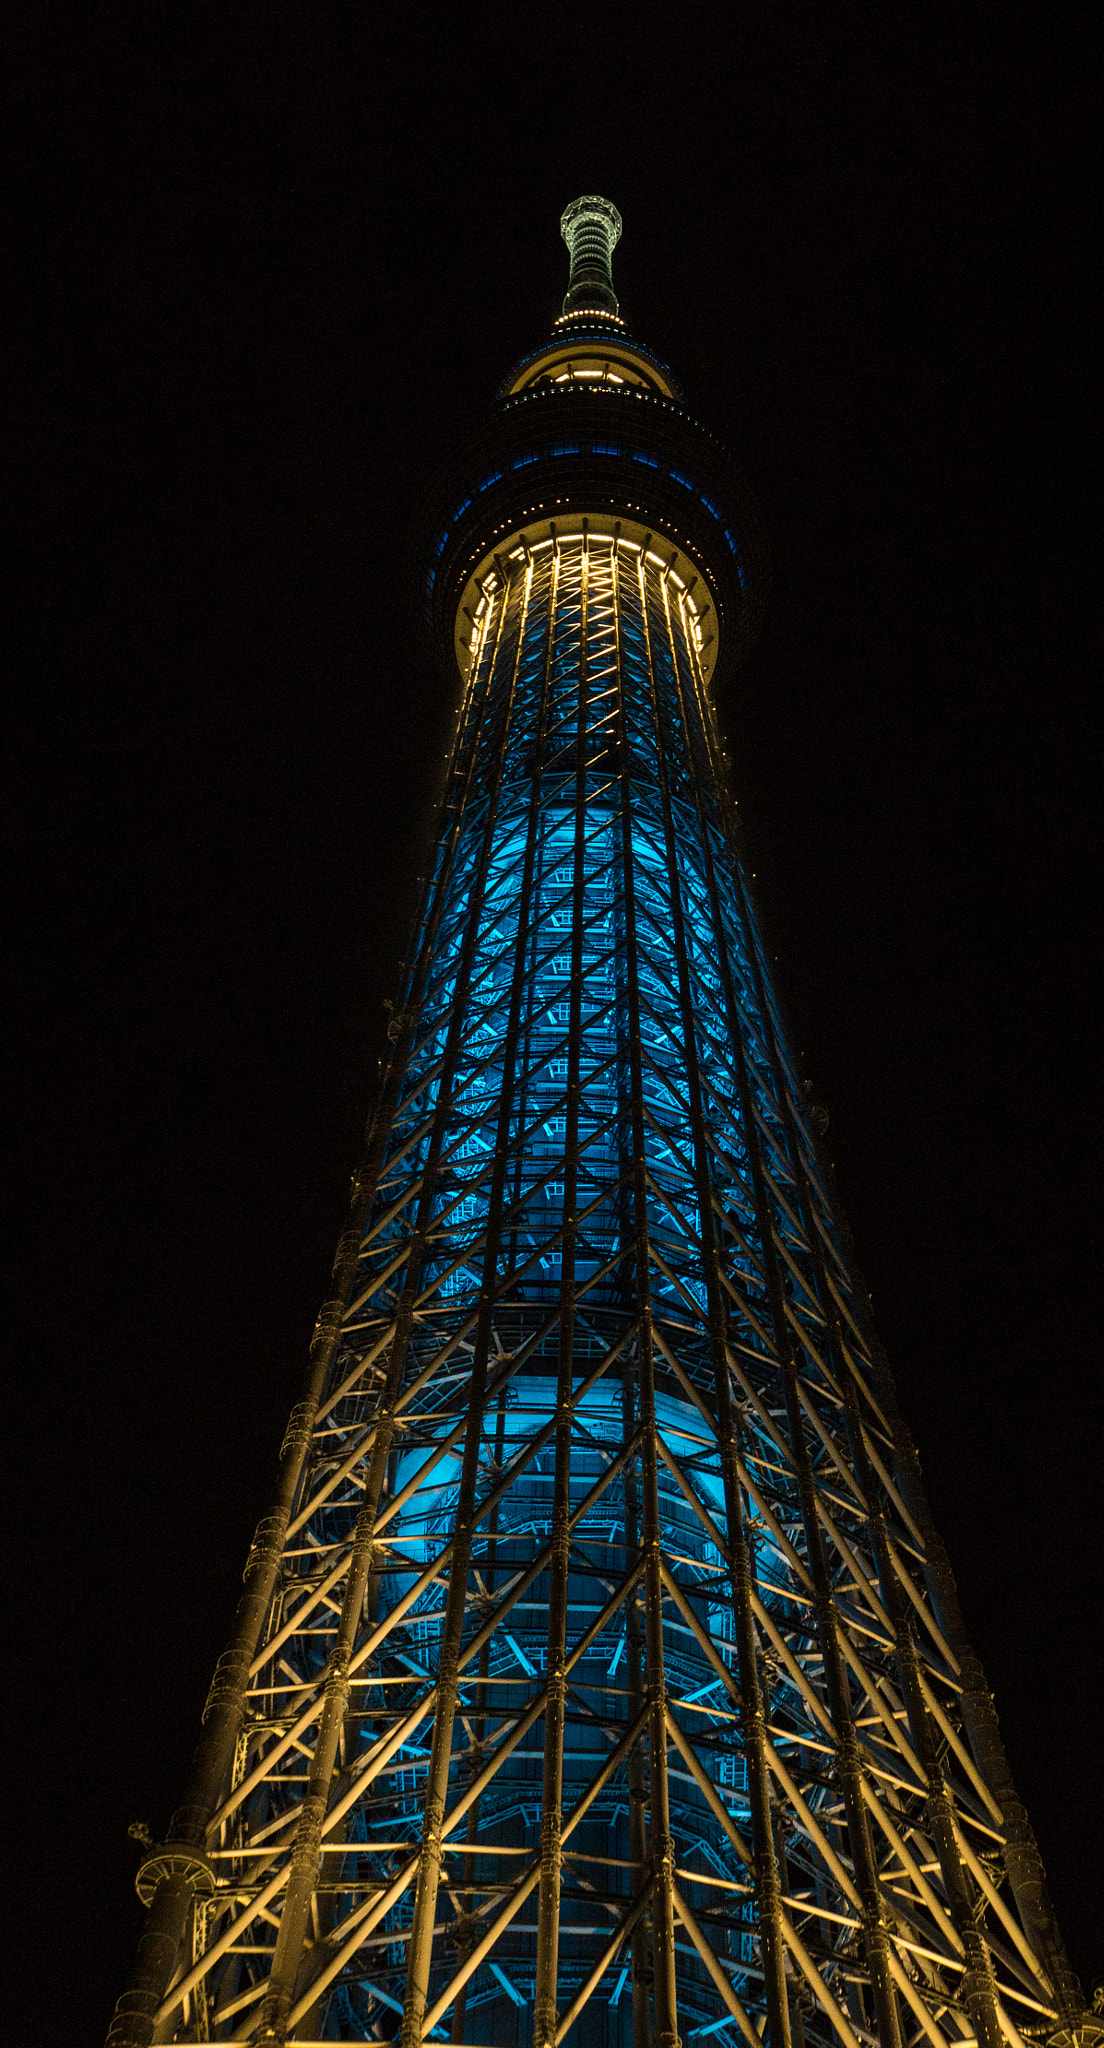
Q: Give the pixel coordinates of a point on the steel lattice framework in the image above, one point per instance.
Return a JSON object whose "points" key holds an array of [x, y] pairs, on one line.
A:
{"points": [[598, 1672]]}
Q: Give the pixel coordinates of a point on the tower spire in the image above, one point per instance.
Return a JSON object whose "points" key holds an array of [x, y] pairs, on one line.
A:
{"points": [[591, 227]]}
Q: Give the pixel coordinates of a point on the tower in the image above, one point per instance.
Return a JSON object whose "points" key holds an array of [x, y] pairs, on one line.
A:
{"points": [[598, 1673]]}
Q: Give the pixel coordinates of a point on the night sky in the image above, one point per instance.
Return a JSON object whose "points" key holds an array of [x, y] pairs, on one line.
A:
{"points": [[268, 259]]}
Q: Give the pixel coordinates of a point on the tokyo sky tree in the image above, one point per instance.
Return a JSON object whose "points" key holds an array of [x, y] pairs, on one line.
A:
{"points": [[599, 1675]]}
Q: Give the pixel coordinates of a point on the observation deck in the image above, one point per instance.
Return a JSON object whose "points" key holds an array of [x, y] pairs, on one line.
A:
{"points": [[591, 432]]}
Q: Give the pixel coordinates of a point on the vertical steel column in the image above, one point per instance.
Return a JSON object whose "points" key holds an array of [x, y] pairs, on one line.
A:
{"points": [[793, 1981], [752, 1712], [1020, 1851], [1021, 1857], [178, 1872], [661, 1848], [545, 2014], [1022, 1861], [305, 1854], [471, 1828], [448, 1681], [978, 1983], [634, 1659], [634, 1647], [479, 1730], [875, 1929]]}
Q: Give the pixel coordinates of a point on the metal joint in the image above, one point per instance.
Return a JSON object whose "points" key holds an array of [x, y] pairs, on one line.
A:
{"points": [[936, 1810], [227, 1686], [299, 1430], [308, 1836], [348, 1248], [328, 1323], [1083, 2032], [267, 1547], [175, 1863]]}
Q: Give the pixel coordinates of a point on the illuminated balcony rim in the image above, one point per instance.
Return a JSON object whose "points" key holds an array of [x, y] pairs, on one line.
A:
{"points": [[559, 452], [690, 588], [591, 334]]}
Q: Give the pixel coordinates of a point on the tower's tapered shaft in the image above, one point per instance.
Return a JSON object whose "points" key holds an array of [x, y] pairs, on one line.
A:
{"points": [[599, 1675]]}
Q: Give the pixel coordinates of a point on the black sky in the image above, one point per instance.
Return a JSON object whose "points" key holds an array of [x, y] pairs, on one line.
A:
{"points": [[268, 259]]}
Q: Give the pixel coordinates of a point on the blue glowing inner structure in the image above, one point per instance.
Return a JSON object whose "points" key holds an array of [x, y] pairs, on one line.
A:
{"points": [[596, 1698]]}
